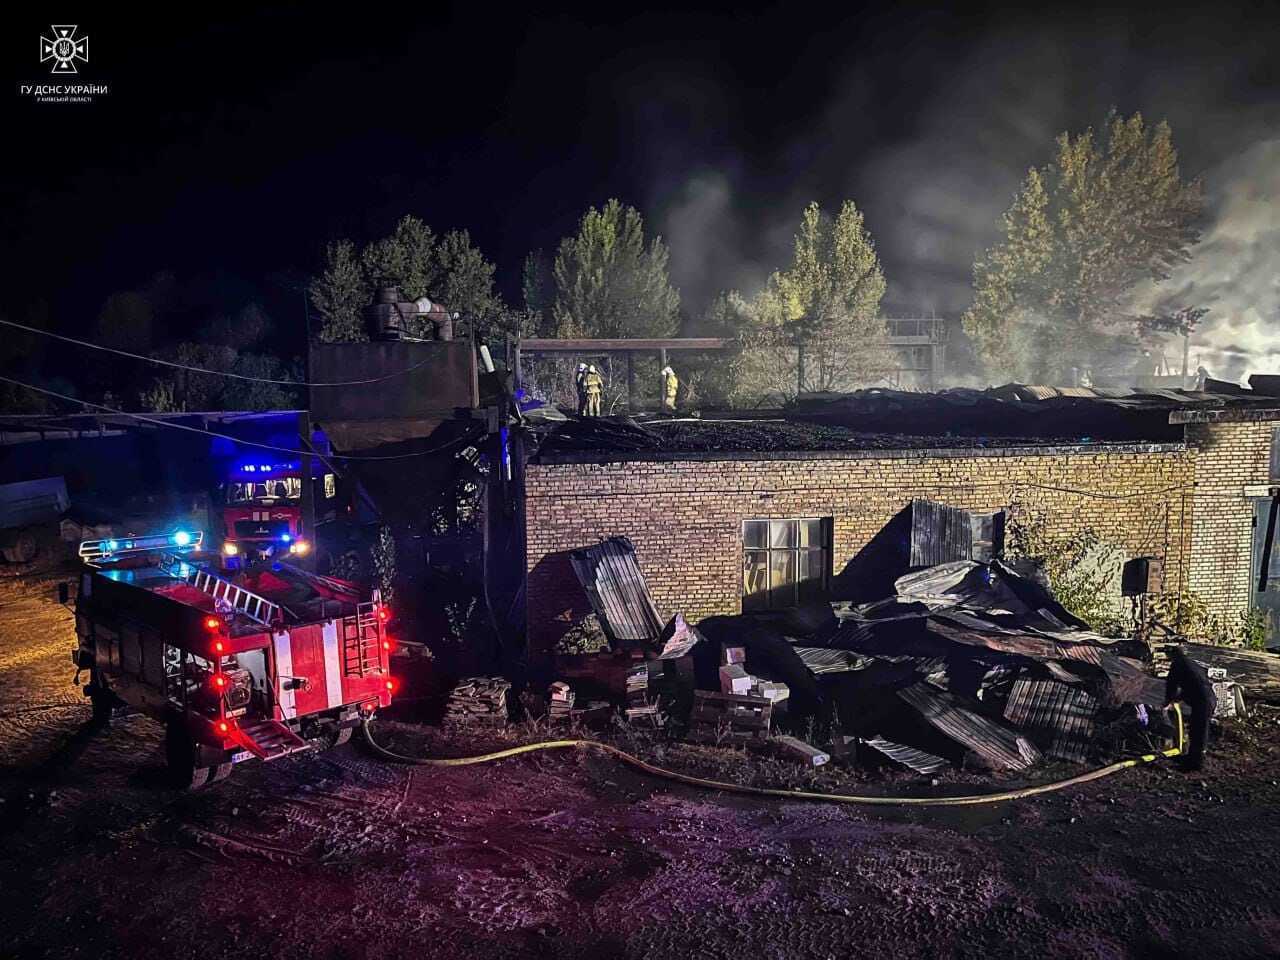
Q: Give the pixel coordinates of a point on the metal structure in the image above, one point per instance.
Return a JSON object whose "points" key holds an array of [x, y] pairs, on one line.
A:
{"points": [[921, 346], [539, 346], [231, 670]]}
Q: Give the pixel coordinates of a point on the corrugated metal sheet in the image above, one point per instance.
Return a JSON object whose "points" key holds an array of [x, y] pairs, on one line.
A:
{"points": [[610, 574], [939, 534], [999, 746], [910, 757], [1064, 716], [829, 660]]}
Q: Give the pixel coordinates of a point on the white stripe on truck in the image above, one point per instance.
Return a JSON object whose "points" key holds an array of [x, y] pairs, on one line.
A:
{"points": [[332, 664], [284, 675]]}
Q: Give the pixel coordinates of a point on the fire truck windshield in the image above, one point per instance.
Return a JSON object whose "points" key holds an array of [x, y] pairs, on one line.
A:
{"points": [[258, 491]]}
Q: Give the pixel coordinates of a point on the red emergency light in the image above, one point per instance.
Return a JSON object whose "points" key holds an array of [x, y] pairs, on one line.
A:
{"points": [[212, 623], [219, 680], [384, 614], [391, 685]]}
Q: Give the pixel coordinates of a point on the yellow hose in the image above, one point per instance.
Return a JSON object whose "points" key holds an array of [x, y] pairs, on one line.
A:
{"points": [[770, 792]]}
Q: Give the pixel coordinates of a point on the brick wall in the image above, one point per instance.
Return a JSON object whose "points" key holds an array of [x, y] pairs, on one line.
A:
{"points": [[685, 516], [1229, 458]]}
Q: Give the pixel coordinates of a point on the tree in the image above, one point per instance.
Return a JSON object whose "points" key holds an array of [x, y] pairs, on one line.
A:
{"points": [[406, 258], [1007, 317], [340, 295], [830, 298], [609, 283], [537, 284], [465, 284], [1081, 235], [126, 322]]}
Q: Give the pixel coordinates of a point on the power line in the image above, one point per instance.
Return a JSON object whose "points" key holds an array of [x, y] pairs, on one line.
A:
{"points": [[215, 373], [226, 436]]}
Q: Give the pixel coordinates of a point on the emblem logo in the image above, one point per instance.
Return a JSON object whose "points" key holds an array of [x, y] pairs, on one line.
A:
{"points": [[64, 49]]}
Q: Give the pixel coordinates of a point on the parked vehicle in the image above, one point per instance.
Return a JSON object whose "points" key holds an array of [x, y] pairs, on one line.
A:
{"points": [[276, 661]]}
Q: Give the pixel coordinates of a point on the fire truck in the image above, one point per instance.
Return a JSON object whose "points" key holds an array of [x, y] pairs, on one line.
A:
{"points": [[276, 661], [260, 510]]}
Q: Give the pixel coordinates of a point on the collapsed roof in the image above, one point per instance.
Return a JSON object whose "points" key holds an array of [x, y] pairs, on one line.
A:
{"points": [[868, 420]]}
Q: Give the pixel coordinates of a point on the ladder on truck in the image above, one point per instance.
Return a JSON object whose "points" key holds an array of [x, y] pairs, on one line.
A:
{"points": [[361, 640], [237, 598]]}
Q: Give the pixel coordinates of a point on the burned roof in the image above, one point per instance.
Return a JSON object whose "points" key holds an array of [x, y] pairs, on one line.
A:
{"points": [[883, 421]]}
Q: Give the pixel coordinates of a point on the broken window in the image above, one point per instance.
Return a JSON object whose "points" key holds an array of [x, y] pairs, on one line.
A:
{"points": [[785, 562]]}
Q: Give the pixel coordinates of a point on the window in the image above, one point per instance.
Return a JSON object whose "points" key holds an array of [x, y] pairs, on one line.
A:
{"points": [[785, 562], [288, 488], [330, 486]]}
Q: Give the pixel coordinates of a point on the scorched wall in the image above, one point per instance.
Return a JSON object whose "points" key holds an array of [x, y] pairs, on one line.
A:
{"points": [[685, 515]]}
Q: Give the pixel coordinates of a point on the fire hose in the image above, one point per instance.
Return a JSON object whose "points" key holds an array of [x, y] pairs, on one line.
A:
{"points": [[706, 784]]}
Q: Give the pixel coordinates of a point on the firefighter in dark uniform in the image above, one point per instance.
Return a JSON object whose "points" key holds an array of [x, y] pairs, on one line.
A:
{"points": [[1188, 682]]}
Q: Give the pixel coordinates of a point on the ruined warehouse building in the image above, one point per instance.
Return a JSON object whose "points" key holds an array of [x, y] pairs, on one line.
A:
{"points": [[734, 515]]}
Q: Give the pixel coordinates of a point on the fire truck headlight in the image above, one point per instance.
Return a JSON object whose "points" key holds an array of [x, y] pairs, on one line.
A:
{"points": [[300, 548], [230, 549], [181, 538]]}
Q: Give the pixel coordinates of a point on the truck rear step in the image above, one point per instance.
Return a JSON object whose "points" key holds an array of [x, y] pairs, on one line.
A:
{"points": [[269, 739]]}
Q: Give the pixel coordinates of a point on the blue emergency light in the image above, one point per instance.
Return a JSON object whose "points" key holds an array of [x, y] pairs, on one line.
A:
{"points": [[181, 538]]}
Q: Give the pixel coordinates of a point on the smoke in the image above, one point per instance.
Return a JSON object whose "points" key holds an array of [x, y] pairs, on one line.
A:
{"points": [[932, 137], [1235, 270], [708, 239]]}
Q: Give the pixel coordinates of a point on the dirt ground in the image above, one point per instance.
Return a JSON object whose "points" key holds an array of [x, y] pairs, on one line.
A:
{"points": [[571, 855]]}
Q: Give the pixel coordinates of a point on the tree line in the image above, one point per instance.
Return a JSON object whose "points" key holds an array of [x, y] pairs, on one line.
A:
{"points": [[1086, 239]]}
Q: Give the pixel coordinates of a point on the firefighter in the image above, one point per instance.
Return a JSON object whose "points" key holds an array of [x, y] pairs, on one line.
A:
{"points": [[580, 386], [670, 385], [1188, 682], [593, 387]]}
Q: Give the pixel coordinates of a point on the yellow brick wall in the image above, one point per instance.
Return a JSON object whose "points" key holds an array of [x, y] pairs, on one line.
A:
{"points": [[685, 517], [1228, 458]]}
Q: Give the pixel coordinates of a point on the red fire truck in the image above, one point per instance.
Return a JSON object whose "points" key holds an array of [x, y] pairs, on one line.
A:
{"points": [[277, 661], [260, 505]]}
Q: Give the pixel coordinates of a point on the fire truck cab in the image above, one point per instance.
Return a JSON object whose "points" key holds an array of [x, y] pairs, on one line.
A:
{"points": [[277, 661], [261, 516]]}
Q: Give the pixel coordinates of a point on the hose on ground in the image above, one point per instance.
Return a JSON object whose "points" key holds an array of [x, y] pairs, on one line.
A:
{"points": [[704, 783]]}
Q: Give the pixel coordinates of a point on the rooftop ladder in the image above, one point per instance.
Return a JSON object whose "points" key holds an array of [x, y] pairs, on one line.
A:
{"points": [[239, 599]]}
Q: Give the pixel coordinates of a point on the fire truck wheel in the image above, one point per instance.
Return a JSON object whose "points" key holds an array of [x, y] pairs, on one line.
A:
{"points": [[341, 737], [180, 757]]}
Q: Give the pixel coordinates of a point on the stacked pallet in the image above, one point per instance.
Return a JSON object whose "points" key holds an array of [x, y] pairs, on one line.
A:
{"points": [[728, 718], [478, 700], [644, 684], [560, 699]]}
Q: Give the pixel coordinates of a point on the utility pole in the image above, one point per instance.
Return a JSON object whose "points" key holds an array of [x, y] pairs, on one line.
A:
{"points": [[307, 561]]}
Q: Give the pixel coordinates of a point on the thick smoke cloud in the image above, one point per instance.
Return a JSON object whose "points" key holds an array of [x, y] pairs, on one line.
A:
{"points": [[934, 184], [1235, 271]]}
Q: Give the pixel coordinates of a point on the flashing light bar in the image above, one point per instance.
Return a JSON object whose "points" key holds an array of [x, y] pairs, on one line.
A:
{"points": [[267, 467], [111, 548]]}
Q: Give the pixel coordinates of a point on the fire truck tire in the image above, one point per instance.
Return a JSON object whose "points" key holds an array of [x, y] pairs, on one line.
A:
{"points": [[341, 737], [180, 758]]}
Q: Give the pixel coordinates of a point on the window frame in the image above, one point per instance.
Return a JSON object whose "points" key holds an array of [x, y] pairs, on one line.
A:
{"points": [[793, 554]]}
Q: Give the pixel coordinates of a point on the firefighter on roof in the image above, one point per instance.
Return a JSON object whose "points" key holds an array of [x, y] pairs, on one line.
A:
{"points": [[579, 384], [593, 385], [670, 386]]}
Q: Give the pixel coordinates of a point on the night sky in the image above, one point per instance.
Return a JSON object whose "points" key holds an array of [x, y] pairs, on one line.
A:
{"points": [[233, 148]]}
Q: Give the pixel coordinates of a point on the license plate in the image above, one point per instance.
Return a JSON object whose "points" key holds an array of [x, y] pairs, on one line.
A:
{"points": [[240, 756]]}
